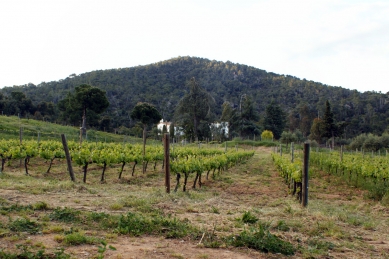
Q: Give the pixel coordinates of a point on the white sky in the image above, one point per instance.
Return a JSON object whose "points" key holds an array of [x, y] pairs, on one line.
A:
{"points": [[335, 42]]}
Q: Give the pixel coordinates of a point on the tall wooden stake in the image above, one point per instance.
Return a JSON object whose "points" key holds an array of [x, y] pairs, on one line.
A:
{"points": [[68, 159], [305, 175], [166, 161]]}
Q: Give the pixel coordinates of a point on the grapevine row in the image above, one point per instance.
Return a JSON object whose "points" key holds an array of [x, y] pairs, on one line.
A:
{"points": [[184, 160]]}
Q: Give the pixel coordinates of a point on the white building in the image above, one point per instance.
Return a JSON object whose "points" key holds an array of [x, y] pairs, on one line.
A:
{"points": [[166, 123]]}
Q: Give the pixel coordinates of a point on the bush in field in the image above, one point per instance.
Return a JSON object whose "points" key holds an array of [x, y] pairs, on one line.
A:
{"points": [[372, 143], [267, 135], [287, 137], [358, 141], [384, 139]]}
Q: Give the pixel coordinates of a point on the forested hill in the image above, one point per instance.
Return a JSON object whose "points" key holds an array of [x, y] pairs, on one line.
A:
{"points": [[165, 82]]}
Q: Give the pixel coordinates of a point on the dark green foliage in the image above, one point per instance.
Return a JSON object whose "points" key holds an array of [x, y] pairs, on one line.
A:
{"points": [[378, 191], [98, 216], [328, 122], [65, 215], [317, 130], [41, 205], [24, 225], [77, 238], [369, 142], [86, 101], [242, 121], [136, 225], [146, 113], [15, 207], [331, 129], [194, 111], [162, 84], [321, 245], [104, 220], [249, 218], [287, 137], [261, 240], [27, 252], [274, 119]]}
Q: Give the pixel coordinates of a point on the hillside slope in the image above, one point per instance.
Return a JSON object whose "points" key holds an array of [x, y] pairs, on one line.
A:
{"points": [[164, 83]]}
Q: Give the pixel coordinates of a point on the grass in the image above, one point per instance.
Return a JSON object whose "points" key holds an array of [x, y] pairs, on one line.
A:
{"points": [[10, 129]]}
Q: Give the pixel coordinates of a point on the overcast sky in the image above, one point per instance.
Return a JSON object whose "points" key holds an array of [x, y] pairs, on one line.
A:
{"points": [[335, 42]]}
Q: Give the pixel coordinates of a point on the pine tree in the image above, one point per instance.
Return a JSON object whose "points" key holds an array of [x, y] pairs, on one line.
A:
{"points": [[274, 119], [194, 111], [330, 129]]}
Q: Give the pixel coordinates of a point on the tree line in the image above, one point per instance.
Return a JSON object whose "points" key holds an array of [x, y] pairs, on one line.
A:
{"points": [[241, 95]]}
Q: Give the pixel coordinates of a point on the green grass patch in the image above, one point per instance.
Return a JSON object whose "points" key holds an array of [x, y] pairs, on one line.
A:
{"points": [[65, 215], [25, 225], [262, 240], [249, 218], [29, 252], [137, 225], [77, 238]]}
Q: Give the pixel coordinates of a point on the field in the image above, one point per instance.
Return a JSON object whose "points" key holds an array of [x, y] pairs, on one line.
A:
{"points": [[135, 218]]}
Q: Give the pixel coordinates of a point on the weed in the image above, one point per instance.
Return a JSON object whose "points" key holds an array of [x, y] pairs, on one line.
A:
{"points": [[102, 248], [249, 218], [65, 215], [15, 208], [79, 239], [261, 240], [378, 191], [116, 206], [137, 225], [98, 216], [27, 253], [215, 210], [41, 205], [368, 225], [282, 226], [210, 239], [24, 225], [54, 229], [288, 209]]}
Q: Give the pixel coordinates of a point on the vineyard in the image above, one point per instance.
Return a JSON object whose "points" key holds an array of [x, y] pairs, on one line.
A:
{"points": [[368, 171], [184, 160], [230, 202]]}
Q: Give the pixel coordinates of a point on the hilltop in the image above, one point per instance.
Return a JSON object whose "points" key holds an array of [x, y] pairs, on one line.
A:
{"points": [[164, 84]]}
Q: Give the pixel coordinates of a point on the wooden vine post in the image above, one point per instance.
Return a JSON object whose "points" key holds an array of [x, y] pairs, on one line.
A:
{"points": [[21, 141], [166, 142], [68, 159], [305, 175]]}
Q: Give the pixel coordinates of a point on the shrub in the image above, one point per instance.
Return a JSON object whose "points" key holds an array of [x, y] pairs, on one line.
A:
{"points": [[249, 218], [372, 143], [358, 141], [267, 135], [79, 239], [25, 225], [261, 240], [65, 215]]}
